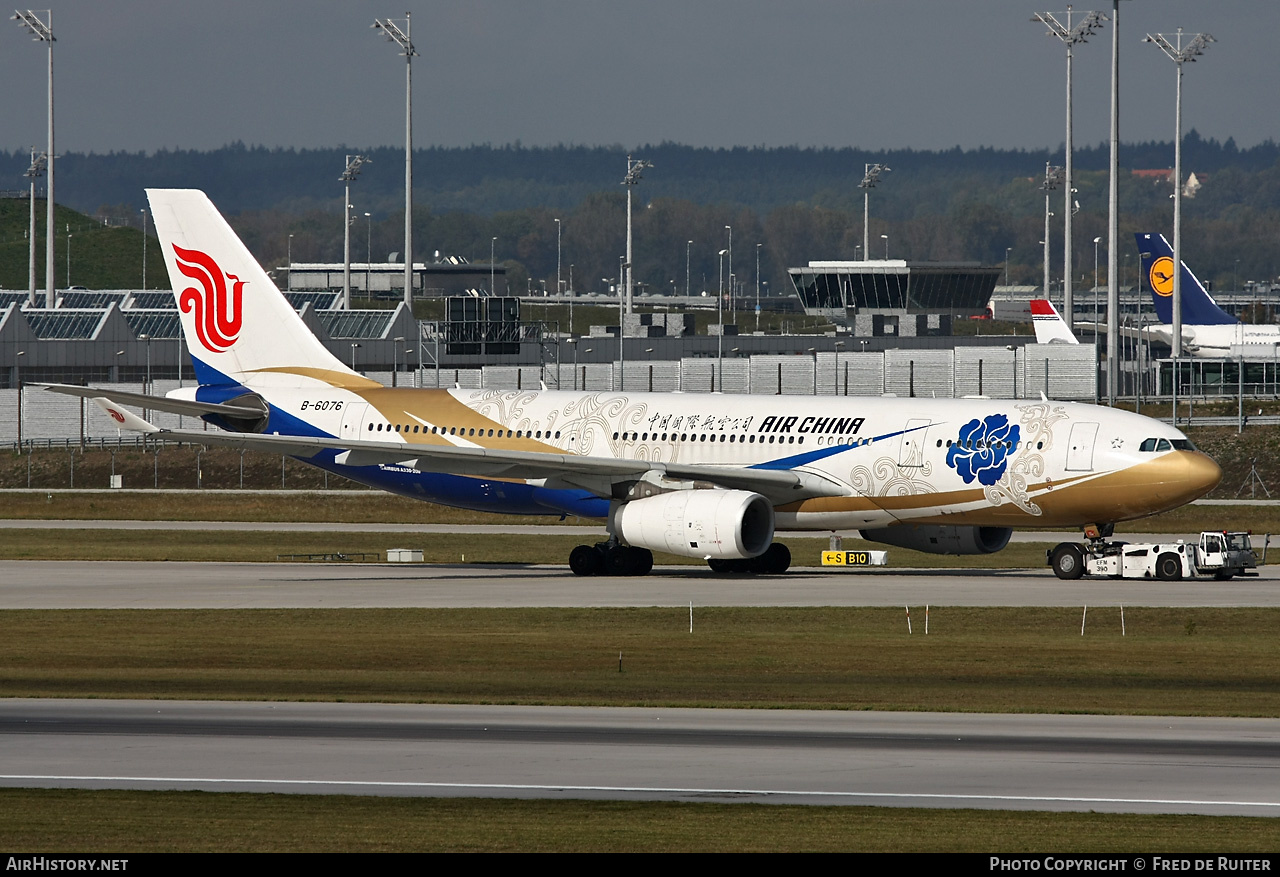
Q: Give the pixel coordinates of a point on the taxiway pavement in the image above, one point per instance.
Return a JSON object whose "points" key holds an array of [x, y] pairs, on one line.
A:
{"points": [[1022, 762], [173, 585], [1100, 763]]}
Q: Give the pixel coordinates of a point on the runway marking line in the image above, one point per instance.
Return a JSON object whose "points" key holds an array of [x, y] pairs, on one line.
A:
{"points": [[516, 787]]}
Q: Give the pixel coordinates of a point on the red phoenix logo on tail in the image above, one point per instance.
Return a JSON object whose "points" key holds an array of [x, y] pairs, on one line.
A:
{"points": [[217, 312]]}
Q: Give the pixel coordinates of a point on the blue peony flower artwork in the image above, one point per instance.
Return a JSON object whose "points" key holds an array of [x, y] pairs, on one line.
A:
{"points": [[983, 449]]}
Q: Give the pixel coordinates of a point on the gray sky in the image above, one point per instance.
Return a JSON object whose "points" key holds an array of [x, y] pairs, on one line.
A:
{"points": [[925, 74]]}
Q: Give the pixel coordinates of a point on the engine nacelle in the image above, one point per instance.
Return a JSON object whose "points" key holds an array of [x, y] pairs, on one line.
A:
{"points": [[705, 523], [942, 538]]}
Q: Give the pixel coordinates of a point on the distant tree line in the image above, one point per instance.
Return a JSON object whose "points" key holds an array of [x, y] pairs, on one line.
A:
{"points": [[797, 204]]}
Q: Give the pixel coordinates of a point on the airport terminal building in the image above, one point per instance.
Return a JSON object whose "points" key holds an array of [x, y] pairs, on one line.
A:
{"points": [[442, 278], [894, 297]]}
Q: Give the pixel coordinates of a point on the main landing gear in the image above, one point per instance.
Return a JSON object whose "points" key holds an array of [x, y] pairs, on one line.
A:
{"points": [[776, 559], [610, 559]]}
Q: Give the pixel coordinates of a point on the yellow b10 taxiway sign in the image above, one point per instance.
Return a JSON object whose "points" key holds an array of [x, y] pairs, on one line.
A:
{"points": [[855, 558]]}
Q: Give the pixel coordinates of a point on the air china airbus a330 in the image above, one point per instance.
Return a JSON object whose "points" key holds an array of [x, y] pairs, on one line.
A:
{"points": [[697, 475]]}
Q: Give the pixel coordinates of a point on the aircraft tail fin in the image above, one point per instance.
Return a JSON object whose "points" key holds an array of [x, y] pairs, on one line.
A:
{"points": [[1198, 307], [239, 328], [1049, 325]]}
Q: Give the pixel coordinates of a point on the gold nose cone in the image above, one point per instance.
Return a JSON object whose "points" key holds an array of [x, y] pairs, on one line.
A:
{"points": [[1205, 472], [1189, 475], [1158, 485]]}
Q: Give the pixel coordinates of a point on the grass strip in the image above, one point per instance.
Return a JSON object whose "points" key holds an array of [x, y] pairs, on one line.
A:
{"points": [[104, 822], [386, 508], [252, 506], [1222, 662]]}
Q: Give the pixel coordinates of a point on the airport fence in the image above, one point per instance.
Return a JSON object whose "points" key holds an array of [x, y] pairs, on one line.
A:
{"points": [[1059, 371], [138, 464]]}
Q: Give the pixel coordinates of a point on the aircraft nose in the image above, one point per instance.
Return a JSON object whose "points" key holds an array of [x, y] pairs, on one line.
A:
{"points": [[1193, 474]]}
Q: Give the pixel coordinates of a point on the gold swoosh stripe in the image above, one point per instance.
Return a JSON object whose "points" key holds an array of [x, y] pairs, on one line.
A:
{"points": [[439, 408], [332, 378]]}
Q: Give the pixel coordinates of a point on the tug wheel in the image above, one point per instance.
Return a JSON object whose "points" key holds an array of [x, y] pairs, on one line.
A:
{"points": [[1168, 567], [1067, 561]]}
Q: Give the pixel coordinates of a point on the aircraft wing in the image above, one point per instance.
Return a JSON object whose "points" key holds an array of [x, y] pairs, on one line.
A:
{"points": [[597, 474]]}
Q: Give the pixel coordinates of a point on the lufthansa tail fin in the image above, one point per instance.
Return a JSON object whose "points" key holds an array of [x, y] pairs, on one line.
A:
{"points": [[239, 328], [1049, 325], [1198, 307]]}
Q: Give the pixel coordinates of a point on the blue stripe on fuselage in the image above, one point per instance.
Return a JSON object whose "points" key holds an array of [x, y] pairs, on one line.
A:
{"points": [[283, 423], [468, 492], [822, 453]]}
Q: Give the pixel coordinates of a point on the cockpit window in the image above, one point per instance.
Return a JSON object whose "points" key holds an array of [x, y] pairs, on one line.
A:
{"points": [[1154, 444]]}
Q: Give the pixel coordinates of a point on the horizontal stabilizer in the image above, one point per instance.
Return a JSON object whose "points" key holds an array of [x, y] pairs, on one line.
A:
{"points": [[186, 407], [123, 416]]}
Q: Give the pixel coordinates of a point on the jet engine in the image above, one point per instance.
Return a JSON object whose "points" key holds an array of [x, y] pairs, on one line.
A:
{"points": [[942, 538], [705, 523]]}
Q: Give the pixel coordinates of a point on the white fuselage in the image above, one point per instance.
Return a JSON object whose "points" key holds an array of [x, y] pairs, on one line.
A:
{"points": [[959, 461], [1216, 342]]}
